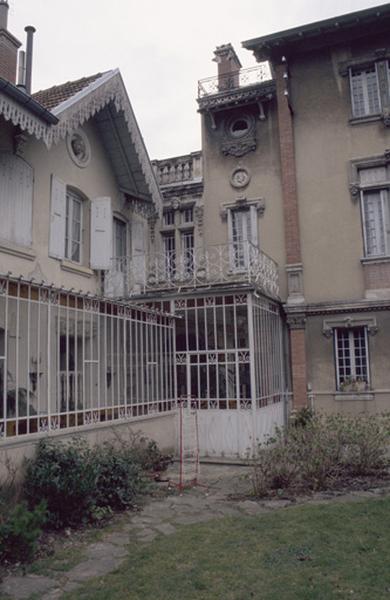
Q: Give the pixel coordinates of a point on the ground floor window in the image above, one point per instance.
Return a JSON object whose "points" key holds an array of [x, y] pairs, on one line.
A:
{"points": [[351, 350]]}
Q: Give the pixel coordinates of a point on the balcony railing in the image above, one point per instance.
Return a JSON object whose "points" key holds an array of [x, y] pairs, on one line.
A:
{"points": [[240, 262], [235, 80], [179, 169]]}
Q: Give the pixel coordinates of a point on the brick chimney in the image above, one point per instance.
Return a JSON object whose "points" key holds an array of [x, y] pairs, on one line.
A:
{"points": [[228, 67], [9, 46]]}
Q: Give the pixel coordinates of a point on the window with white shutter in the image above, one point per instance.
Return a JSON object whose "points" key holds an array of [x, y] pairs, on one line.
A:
{"points": [[16, 194]]}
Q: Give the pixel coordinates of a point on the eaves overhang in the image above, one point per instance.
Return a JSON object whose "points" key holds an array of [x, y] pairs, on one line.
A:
{"points": [[321, 33], [16, 104]]}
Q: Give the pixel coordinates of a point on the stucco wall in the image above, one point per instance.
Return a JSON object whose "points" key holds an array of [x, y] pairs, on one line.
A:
{"points": [[96, 180], [325, 143], [264, 167], [322, 371]]}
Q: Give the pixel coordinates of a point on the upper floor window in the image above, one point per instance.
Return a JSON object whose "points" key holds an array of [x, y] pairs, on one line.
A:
{"points": [[242, 235], [365, 92], [169, 217], [187, 215], [119, 238], [351, 352], [375, 198], [73, 226]]}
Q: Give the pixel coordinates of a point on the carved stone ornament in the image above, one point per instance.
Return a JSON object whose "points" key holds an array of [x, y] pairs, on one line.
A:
{"points": [[198, 212], [354, 189], [240, 177], [296, 321], [386, 117], [79, 148], [239, 148], [387, 154], [347, 322]]}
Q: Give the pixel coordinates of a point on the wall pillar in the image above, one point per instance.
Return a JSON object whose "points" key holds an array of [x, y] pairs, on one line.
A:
{"points": [[298, 360]]}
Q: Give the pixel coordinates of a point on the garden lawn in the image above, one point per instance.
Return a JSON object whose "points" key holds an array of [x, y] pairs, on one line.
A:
{"points": [[308, 552]]}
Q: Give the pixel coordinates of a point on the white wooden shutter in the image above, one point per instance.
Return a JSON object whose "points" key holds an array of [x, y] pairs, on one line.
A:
{"points": [[16, 192], [101, 234], [57, 218]]}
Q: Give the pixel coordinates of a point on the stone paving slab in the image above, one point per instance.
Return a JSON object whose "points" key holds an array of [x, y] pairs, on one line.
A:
{"points": [[20, 587]]}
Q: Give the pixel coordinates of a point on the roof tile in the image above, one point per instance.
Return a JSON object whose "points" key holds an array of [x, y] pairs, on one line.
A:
{"points": [[57, 94]]}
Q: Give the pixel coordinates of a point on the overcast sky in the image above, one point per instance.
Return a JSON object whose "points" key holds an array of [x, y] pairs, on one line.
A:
{"points": [[161, 47]]}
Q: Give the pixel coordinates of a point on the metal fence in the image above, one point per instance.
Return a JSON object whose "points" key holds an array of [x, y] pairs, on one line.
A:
{"points": [[70, 360]]}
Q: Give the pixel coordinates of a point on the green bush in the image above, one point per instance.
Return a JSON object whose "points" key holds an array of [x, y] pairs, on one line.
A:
{"points": [[119, 476], [316, 452], [82, 484], [64, 475], [20, 530]]}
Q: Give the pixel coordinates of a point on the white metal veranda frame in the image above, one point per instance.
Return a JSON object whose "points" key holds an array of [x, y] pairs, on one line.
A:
{"points": [[72, 360]]}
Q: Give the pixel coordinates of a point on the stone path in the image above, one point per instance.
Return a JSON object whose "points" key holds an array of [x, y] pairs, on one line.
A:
{"points": [[212, 500]]}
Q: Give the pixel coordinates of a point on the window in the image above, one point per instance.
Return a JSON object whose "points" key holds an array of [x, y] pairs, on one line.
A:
{"points": [[375, 198], [365, 92], [241, 236], [187, 215], [169, 217], [188, 251], [169, 255], [119, 244], [351, 350], [73, 227]]}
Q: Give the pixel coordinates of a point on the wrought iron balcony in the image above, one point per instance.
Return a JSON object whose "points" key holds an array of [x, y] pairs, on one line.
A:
{"points": [[233, 263], [233, 81]]}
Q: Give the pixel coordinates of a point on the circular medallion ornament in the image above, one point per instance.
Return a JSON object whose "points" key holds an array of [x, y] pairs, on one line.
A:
{"points": [[240, 177], [79, 148]]}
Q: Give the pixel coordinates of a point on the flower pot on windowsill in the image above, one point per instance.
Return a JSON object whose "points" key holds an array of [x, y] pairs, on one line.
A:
{"points": [[356, 385]]}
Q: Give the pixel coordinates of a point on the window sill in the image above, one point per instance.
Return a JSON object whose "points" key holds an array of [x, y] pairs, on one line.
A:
{"points": [[15, 250], [77, 269], [353, 396], [365, 119], [374, 260]]}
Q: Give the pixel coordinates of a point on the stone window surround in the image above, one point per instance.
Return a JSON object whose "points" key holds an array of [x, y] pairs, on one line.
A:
{"points": [[356, 188], [349, 322], [380, 57]]}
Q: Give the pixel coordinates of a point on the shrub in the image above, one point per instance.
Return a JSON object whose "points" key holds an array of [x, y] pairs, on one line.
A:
{"points": [[316, 452], [119, 476], [64, 476], [20, 530], [144, 450]]}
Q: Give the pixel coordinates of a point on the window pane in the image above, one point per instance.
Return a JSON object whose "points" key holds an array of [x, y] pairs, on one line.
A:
{"points": [[374, 223]]}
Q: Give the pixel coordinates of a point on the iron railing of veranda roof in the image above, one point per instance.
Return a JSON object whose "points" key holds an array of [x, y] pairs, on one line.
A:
{"points": [[237, 262], [232, 81]]}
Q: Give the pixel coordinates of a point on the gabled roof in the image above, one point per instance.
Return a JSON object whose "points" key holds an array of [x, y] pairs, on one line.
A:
{"points": [[322, 32], [52, 97], [102, 97]]}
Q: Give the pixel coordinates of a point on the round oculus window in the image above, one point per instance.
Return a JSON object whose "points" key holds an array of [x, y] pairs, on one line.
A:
{"points": [[239, 126], [79, 148]]}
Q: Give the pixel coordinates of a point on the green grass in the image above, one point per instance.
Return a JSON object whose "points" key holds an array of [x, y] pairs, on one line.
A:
{"points": [[310, 552]]}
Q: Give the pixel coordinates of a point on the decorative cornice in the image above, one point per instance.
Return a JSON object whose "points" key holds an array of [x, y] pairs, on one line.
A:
{"points": [[328, 308]]}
